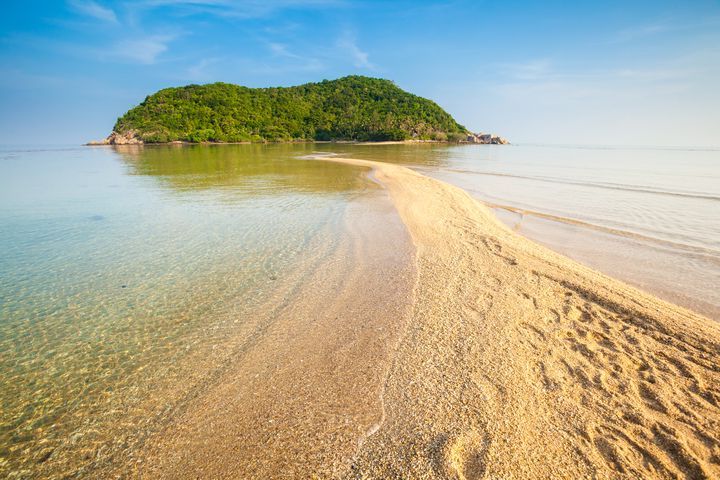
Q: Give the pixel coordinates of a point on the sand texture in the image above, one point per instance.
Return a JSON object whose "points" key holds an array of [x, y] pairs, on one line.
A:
{"points": [[499, 360], [305, 382], [519, 363]]}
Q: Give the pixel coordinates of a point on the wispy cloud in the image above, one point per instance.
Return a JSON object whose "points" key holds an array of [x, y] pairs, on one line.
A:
{"points": [[640, 31], [281, 50], [141, 50], [93, 10], [530, 70], [348, 44], [199, 71], [663, 26], [20, 79], [130, 48], [292, 61], [543, 79], [234, 8]]}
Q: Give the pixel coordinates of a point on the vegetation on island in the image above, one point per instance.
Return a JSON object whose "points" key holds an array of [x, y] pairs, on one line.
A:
{"points": [[350, 108]]}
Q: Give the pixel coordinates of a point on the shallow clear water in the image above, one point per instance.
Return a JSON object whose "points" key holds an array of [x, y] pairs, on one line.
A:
{"points": [[120, 270]]}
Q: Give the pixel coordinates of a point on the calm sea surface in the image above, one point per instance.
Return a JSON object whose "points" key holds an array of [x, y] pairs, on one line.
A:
{"points": [[124, 272]]}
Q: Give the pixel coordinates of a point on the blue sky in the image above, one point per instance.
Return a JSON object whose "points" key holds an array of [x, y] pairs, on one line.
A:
{"points": [[582, 72]]}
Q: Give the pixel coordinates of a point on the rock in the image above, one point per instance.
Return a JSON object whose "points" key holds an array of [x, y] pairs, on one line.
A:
{"points": [[44, 455], [128, 138], [485, 139]]}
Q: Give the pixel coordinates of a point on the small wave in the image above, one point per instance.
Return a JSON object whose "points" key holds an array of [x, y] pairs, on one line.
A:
{"points": [[39, 149], [603, 185], [698, 148], [615, 231]]}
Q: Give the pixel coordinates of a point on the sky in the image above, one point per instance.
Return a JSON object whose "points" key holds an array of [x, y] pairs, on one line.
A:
{"points": [[627, 72]]}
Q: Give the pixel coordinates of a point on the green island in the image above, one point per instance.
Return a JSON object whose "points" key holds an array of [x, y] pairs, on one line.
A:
{"points": [[352, 108]]}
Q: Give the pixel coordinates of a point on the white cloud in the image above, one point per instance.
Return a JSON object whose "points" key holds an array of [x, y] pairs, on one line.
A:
{"points": [[360, 58], [542, 81], [674, 24], [293, 62], [530, 70], [235, 8], [20, 79], [281, 50], [640, 31], [142, 50], [94, 10], [199, 71]]}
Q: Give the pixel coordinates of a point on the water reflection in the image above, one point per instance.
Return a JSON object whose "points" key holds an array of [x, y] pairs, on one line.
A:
{"points": [[249, 169]]}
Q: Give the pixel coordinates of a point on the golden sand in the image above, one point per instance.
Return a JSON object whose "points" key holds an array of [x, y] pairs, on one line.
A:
{"points": [[499, 359], [520, 363]]}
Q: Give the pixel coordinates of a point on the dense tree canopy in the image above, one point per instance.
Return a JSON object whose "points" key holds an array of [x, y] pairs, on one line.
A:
{"points": [[349, 108]]}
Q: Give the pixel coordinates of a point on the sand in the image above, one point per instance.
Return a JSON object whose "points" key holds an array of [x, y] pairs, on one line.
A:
{"points": [[499, 359], [304, 383]]}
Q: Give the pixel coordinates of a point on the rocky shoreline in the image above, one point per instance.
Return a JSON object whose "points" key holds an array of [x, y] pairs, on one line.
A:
{"points": [[486, 139], [128, 138]]}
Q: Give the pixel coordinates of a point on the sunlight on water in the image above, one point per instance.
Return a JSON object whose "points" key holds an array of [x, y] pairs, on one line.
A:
{"points": [[120, 270]]}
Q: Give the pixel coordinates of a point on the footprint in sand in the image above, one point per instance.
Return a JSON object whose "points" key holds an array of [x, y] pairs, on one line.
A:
{"points": [[464, 456]]}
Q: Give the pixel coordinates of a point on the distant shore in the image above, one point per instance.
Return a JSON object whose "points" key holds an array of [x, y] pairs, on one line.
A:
{"points": [[101, 143], [513, 362], [133, 138]]}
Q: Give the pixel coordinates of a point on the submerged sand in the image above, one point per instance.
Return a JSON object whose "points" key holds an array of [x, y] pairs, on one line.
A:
{"points": [[492, 358]]}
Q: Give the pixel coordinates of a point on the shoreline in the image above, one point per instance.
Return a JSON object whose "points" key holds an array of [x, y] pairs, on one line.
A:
{"points": [[624, 256], [302, 389], [510, 361], [679, 270], [103, 143]]}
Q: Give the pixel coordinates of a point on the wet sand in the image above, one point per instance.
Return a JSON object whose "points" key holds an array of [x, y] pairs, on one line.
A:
{"points": [[305, 384], [492, 357]]}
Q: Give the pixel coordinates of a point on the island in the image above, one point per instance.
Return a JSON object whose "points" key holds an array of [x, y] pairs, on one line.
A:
{"points": [[351, 108]]}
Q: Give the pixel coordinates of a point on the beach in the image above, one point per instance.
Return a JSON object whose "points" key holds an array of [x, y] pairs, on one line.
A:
{"points": [[346, 240], [504, 360], [336, 311]]}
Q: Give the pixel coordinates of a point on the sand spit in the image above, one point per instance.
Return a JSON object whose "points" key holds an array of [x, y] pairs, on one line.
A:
{"points": [[305, 383], [519, 363]]}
